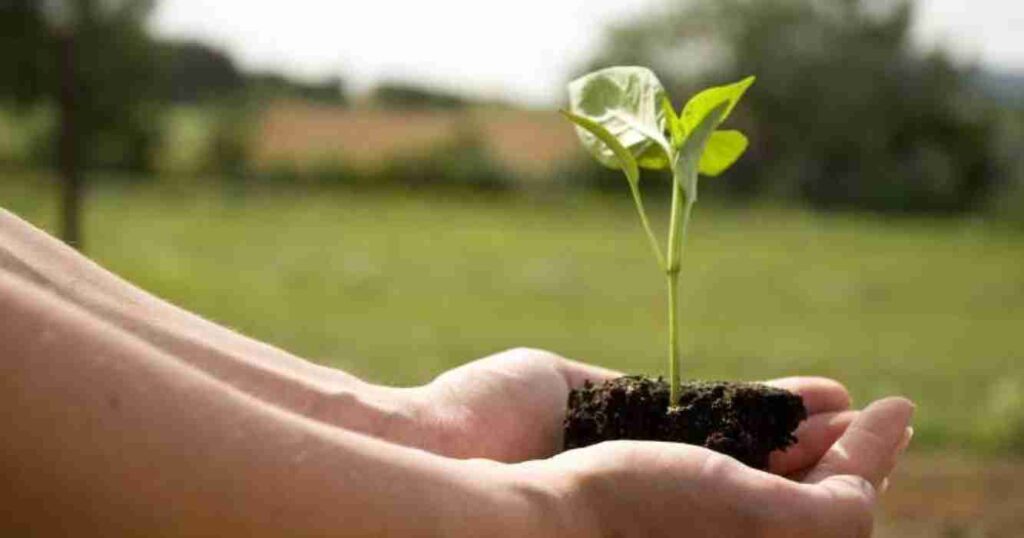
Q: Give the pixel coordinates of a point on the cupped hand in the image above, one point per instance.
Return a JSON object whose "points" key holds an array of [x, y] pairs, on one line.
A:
{"points": [[631, 488], [510, 407], [506, 407]]}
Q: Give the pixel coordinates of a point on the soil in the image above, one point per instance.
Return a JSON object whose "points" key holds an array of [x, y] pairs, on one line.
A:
{"points": [[744, 420]]}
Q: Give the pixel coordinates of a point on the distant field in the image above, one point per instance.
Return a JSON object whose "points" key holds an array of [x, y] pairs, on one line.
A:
{"points": [[399, 287], [531, 144]]}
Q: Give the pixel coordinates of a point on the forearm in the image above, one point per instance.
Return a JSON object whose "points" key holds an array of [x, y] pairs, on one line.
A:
{"points": [[252, 367], [108, 435]]}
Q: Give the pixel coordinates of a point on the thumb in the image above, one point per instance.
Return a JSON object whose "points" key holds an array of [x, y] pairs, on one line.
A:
{"points": [[848, 476], [869, 447], [577, 373]]}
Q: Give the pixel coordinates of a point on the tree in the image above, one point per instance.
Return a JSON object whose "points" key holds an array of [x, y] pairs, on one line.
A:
{"points": [[95, 62], [846, 113], [195, 72], [272, 85], [25, 50], [402, 95]]}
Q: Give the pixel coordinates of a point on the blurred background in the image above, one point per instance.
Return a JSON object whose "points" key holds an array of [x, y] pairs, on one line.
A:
{"points": [[386, 187]]}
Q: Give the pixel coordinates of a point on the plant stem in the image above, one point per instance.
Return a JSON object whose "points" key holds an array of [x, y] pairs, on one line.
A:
{"points": [[673, 338], [651, 238], [682, 205], [672, 277]]}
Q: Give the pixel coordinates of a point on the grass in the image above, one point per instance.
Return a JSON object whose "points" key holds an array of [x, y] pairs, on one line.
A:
{"points": [[398, 287]]}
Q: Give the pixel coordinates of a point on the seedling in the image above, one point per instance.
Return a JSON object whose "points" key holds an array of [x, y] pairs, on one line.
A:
{"points": [[626, 121]]}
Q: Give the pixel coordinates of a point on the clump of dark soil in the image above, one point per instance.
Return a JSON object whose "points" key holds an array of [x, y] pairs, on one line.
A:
{"points": [[744, 420]]}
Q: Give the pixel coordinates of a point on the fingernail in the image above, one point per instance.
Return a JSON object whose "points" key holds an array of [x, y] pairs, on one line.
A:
{"points": [[883, 486], [908, 434]]}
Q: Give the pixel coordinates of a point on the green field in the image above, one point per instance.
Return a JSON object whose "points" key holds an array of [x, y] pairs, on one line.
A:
{"points": [[397, 287]]}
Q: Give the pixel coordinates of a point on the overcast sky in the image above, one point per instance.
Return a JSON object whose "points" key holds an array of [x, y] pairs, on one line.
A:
{"points": [[521, 50]]}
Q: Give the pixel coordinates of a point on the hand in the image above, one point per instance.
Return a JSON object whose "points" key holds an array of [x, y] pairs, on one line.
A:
{"points": [[506, 407], [510, 407], [631, 488]]}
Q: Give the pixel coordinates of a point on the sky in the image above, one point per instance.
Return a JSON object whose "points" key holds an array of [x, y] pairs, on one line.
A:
{"points": [[522, 50]]}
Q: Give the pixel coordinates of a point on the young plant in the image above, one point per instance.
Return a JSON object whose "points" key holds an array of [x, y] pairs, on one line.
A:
{"points": [[625, 119]]}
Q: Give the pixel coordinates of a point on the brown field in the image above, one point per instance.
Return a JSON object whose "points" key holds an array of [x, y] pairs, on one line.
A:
{"points": [[528, 143], [954, 496]]}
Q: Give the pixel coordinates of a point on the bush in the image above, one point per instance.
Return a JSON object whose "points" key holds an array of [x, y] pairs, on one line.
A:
{"points": [[588, 175], [463, 164]]}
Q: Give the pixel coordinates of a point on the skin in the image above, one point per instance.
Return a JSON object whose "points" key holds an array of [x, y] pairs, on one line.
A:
{"points": [[130, 416]]}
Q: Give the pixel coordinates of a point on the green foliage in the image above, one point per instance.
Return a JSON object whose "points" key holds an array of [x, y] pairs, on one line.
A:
{"points": [[624, 118], [299, 176], [227, 153], [193, 72], [723, 150], [627, 102], [605, 147], [408, 96], [112, 66], [266, 86], [700, 106], [26, 52], [121, 81], [196, 73], [26, 136], [463, 164], [465, 167], [695, 145], [851, 114]]}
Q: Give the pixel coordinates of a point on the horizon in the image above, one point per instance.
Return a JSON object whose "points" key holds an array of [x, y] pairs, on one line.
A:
{"points": [[487, 58]]}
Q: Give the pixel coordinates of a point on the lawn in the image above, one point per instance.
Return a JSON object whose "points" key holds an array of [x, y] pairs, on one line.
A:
{"points": [[398, 287]]}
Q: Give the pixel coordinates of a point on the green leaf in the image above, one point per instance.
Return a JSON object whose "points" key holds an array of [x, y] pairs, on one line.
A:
{"points": [[627, 103], [623, 159], [700, 105], [690, 155], [675, 128], [721, 151], [654, 158]]}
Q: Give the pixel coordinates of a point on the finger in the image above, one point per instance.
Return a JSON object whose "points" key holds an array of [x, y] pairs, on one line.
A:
{"points": [[907, 436], [870, 445], [843, 505], [842, 508], [820, 394], [577, 373], [573, 373], [814, 437]]}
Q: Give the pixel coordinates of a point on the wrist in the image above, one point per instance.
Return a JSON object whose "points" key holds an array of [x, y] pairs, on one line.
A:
{"points": [[416, 417], [556, 497], [406, 416], [412, 417], [385, 413], [525, 499]]}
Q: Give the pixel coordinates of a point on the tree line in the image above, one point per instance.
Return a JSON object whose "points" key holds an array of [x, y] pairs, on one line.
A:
{"points": [[847, 111]]}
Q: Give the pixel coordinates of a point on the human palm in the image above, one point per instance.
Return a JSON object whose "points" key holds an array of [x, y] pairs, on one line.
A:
{"points": [[506, 407], [654, 489], [510, 406]]}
